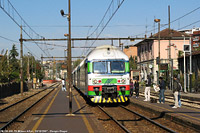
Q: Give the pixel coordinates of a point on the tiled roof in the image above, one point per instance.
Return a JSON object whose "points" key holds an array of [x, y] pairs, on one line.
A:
{"points": [[165, 33]]}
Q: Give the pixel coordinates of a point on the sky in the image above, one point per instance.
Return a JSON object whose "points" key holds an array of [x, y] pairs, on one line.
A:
{"points": [[133, 18]]}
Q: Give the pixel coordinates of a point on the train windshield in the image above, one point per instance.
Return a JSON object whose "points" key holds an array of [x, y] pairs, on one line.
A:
{"points": [[100, 67], [108, 67], [117, 66]]}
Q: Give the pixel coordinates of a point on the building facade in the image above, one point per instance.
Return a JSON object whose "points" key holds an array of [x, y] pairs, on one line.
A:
{"points": [[148, 51], [130, 51]]}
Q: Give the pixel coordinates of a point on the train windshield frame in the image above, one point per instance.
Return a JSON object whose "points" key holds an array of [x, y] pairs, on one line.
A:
{"points": [[109, 67], [100, 67], [117, 67]]}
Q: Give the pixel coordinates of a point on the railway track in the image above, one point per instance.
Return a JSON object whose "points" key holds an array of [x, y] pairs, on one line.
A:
{"points": [[18, 109], [132, 121], [116, 118], [129, 119], [9, 106], [170, 99]]}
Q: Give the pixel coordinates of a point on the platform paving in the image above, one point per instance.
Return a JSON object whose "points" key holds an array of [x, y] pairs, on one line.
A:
{"points": [[184, 114], [54, 117]]}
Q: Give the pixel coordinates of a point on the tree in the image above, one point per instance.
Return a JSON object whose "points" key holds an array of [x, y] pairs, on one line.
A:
{"points": [[76, 63], [14, 64], [4, 68], [133, 63], [180, 53]]}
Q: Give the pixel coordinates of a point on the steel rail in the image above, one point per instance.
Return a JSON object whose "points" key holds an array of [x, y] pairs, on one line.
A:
{"points": [[121, 126], [14, 119], [153, 122], [170, 97], [23, 99], [85, 97]]}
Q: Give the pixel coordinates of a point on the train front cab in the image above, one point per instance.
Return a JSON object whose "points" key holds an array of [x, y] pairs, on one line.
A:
{"points": [[108, 88]]}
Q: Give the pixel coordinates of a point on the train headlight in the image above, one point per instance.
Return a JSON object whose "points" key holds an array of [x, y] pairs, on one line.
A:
{"points": [[123, 80], [94, 81]]}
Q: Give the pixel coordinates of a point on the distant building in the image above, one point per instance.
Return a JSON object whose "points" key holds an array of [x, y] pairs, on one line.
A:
{"points": [[130, 51], [148, 52], [189, 31], [195, 34], [195, 39], [195, 63], [54, 69]]}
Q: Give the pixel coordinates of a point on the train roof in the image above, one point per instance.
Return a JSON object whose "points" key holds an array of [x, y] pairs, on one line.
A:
{"points": [[102, 53], [106, 52]]}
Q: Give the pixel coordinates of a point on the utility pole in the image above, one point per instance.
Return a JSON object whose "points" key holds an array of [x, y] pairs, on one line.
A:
{"points": [[184, 69], [21, 63], [54, 68], [158, 21], [8, 64], [69, 72], [42, 62], [170, 60], [190, 64], [32, 68], [28, 73], [69, 58]]}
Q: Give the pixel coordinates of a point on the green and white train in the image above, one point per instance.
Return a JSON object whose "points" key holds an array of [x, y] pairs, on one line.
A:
{"points": [[104, 75]]}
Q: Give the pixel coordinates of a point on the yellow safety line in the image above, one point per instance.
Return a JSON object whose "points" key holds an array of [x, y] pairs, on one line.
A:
{"points": [[173, 111], [84, 118], [45, 112]]}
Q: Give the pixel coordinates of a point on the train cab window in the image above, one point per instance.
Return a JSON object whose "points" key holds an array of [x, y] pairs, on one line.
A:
{"points": [[117, 67], [100, 67]]}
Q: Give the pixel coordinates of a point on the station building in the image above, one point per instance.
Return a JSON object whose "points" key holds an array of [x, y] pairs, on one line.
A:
{"points": [[148, 51]]}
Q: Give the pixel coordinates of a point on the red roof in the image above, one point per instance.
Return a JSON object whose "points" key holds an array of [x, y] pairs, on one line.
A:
{"points": [[165, 33]]}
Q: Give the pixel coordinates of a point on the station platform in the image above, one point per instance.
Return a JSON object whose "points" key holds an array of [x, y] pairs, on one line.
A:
{"points": [[55, 117], [186, 115]]}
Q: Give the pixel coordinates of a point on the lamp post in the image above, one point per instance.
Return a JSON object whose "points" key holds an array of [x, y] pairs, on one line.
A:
{"points": [[69, 55], [21, 63], [184, 68], [158, 21]]}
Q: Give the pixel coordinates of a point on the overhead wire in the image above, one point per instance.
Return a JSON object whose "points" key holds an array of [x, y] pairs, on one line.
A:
{"points": [[172, 22], [189, 24], [112, 2], [18, 43], [13, 8]]}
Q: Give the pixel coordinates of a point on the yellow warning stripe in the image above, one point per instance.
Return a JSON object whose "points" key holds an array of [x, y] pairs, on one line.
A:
{"points": [[104, 100], [122, 99], [109, 100], [84, 118], [45, 112]]}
